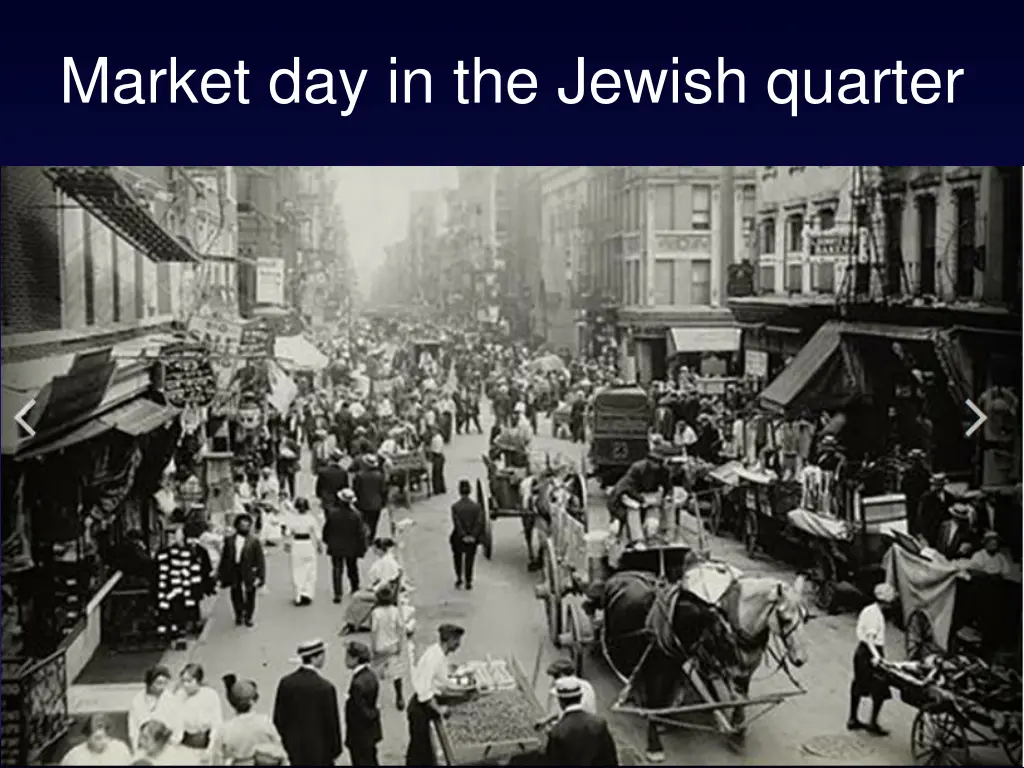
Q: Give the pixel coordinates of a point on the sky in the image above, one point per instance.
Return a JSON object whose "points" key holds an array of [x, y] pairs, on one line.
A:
{"points": [[375, 203]]}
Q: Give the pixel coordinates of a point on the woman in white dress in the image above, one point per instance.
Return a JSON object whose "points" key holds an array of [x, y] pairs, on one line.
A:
{"points": [[304, 546], [99, 747], [155, 702], [201, 712], [385, 573]]}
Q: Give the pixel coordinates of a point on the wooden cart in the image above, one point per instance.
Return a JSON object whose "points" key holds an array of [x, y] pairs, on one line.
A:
{"points": [[406, 468], [470, 737]]}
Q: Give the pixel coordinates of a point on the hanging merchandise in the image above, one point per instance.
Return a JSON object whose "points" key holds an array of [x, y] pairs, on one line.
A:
{"points": [[183, 574]]}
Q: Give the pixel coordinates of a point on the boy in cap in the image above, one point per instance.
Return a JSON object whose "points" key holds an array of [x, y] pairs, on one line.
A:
{"points": [[579, 737], [560, 670], [870, 651], [306, 710]]}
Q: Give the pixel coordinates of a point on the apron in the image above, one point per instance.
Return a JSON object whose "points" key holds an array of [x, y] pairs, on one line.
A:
{"points": [[866, 679], [304, 567]]}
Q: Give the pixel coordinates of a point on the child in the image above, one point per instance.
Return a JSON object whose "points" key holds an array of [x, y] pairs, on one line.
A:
{"points": [[387, 632]]}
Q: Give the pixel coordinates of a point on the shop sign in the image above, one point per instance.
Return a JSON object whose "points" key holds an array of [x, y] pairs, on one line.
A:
{"points": [[222, 336], [269, 280], [257, 341], [830, 244], [755, 363], [187, 377]]}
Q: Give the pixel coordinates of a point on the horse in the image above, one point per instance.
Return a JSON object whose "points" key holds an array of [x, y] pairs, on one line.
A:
{"points": [[542, 493], [652, 629]]}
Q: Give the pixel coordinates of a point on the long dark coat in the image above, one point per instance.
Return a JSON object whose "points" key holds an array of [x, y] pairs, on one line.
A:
{"points": [[307, 717], [344, 531]]}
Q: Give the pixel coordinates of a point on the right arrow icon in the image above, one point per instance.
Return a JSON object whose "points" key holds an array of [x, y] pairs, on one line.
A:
{"points": [[982, 418]]}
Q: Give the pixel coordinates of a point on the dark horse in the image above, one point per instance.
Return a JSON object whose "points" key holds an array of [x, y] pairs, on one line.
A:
{"points": [[652, 630]]}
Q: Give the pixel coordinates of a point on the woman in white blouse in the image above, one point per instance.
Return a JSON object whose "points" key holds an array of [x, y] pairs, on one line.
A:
{"points": [[200, 710], [385, 573], [155, 702], [99, 747]]}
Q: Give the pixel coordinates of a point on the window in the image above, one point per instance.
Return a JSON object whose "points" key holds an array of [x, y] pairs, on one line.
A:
{"points": [[795, 233], [749, 200], [795, 169], [664, 282], [824, 275], [826, 219], [861, 214], [794, 278], [966, 252], [664, 207], [767, 278], [700, 288], [926, 230], [701, 218], [629, 210], [768, 236], [637, 222]]}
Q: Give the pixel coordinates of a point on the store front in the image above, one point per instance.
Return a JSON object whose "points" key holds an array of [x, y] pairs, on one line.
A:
{"points": [[100, 443], [657, 342]]}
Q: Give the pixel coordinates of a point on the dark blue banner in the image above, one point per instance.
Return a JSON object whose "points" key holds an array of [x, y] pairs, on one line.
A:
{"points": [[836, 83]]}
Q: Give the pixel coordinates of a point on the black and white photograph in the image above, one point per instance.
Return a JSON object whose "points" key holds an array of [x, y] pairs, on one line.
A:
{"points": [[511, 465]]}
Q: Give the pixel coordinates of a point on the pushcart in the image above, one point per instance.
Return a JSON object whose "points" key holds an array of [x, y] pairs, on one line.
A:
{"points": [[491, 727]]}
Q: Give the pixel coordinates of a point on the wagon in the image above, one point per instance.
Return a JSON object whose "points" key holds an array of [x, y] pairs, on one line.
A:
{"points": [[962, 703], [573, 592], [491, 727], [947, 610], [834, 531]]}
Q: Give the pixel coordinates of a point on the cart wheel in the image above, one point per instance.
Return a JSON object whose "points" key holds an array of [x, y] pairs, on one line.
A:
{"points": [[578, 636], [937, 738], [1013, 751], [825, 581], [435, 742], [919, 637], [553, 598], [750, 533], [484, 502], [581, 483]]}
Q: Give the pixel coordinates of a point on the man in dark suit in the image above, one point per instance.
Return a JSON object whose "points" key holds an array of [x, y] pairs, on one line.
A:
{"points": [[370, 486], [331, 479], [242, 569], [579, 738], [344, 535], [468, 528], [933, 509], [306, 710], [362, 715]]}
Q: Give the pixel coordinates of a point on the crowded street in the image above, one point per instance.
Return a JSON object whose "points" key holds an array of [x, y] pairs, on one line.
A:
{"points": [[421, 509]]}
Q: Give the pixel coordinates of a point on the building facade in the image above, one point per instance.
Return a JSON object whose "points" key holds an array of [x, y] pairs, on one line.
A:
{"points": [[919, 268], [662, 240]]}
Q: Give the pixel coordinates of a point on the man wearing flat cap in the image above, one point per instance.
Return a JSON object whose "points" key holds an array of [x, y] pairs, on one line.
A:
{"points": [[429, 683], [933, 509], [306, 712], [643, 477], [579, 737]]}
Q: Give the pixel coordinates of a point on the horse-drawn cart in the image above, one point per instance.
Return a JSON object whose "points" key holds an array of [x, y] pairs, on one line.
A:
{"points": [[517, 489], [961, 703], [491, 725], [667, 626]]}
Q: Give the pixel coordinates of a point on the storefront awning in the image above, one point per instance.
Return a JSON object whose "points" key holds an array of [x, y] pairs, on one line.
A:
{"points": [[812, 362], [134, 418], [99, 191], [295, 353], [138, 417], [683, 340]]}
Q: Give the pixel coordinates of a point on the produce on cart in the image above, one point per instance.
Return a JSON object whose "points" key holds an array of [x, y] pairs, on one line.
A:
{"points": [[962, 702], [492, 712]]}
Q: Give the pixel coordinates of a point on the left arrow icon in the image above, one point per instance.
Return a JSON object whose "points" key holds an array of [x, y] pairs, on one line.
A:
{"points": [[19, 418]]}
